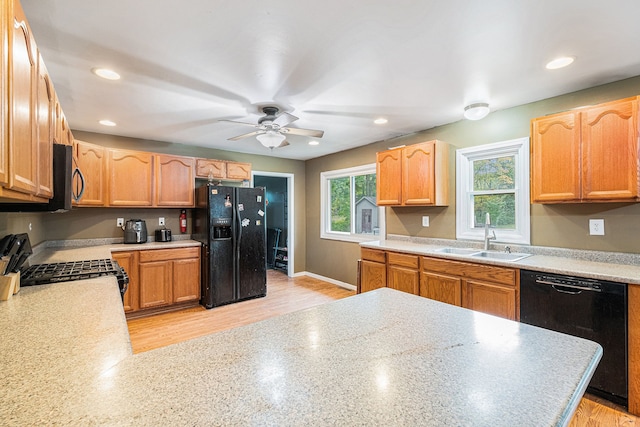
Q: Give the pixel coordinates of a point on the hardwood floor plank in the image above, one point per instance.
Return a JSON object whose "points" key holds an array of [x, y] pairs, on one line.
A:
{"points": [[285, 295]]}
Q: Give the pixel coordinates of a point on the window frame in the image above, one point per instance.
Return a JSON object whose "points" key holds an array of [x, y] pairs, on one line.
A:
{"points": [[464, 190], [325, 214]]}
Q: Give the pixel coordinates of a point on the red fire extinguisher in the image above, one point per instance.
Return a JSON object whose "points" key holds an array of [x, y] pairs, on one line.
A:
{"points": [[183, 221]]}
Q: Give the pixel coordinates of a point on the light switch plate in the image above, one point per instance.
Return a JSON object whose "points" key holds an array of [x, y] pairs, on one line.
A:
{"points": [[425, 221], [596, 227]]}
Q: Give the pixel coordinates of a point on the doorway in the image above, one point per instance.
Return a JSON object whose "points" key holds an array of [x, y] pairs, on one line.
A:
{"points": [[279, 218]]}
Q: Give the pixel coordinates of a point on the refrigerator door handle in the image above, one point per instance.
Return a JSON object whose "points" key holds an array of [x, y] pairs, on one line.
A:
{"points": [[236, 267]]}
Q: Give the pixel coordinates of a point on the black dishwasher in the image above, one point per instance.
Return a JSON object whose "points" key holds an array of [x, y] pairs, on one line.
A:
{"points": [[592, 309]]}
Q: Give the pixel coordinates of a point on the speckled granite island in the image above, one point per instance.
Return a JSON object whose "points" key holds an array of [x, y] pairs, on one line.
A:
{"points": [[379, 358]]}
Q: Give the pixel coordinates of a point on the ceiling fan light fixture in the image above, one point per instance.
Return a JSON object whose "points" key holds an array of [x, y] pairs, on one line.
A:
{"points": [[270, 139], [476, 111]]}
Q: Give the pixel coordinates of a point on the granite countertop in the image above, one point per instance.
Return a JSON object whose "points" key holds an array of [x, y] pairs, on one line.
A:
{"points": [[616, 267], [379, 358]]}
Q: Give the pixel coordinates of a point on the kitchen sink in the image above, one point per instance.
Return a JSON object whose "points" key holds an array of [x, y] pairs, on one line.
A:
{"points": [[504, 256], [457, 251]]}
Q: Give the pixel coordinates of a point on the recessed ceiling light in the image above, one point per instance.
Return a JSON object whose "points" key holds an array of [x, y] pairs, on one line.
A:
{"points": [[106, 73], [107, 123], [380, 121], [314, 143], [561, 62]]}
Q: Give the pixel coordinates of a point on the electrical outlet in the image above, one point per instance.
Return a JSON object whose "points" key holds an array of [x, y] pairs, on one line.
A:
{"points": [[161, 221], [119, 222], [425, 221], [596, 227]]}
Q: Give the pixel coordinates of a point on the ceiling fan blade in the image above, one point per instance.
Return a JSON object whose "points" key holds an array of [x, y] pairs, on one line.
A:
{"points": [[284, 119], [305, 132], [283, 144], [246, 135], [240, 123]]}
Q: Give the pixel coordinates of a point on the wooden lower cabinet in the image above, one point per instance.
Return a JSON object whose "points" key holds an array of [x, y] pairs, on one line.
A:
{"points": [[441, 288], [129, 261], [403, 272], [490, 298], [160, 277], [486, 288], [373, 269]]}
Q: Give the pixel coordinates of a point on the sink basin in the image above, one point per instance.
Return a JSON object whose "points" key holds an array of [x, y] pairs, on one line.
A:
{"points": [[457, 251], [504, 256]]}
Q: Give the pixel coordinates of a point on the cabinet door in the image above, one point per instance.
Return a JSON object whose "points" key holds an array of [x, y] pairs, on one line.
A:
{"points": [[45, 113], [389, 177], [186, 280], [129, 261], [236, 170], [418, 174], [23, 72], [175, 183], [4, 93], [213, 168], [610, 151], [130, 178], [555, 158], [441, 288], [490, 298], [155, 284], [373, 275], [404, 279], [91, 161]]}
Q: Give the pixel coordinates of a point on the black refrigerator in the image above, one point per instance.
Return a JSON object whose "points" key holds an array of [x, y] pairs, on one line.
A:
{"points": [[230, 223]]}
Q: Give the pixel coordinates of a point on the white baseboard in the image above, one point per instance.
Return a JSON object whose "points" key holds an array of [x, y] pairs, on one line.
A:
{"points": [[326, 279]]}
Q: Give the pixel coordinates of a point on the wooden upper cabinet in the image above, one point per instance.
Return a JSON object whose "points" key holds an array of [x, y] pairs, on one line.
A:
{"points": [[130, 178], [555, 158], [238, 171], [23, 68], [91, 160], [416, 175], [45, 113], [4, 107], [206, 168], [610, 151], [175, 181], [388, 177], [586, 155]]}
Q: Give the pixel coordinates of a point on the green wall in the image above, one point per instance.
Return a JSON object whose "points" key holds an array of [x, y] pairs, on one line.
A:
{"points": [[551, 225]]}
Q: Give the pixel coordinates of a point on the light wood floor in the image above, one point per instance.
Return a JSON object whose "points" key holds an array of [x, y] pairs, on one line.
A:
{"points": [[285, 295]]}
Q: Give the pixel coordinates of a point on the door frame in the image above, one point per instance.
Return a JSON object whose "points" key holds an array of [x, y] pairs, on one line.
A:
{"points": [[290, 213]]}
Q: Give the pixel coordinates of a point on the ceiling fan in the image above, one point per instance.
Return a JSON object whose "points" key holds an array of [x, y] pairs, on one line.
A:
{"points": [[273, 127]]}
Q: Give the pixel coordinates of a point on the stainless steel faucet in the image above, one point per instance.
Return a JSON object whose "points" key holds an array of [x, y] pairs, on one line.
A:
{"points": [[487, 238]]}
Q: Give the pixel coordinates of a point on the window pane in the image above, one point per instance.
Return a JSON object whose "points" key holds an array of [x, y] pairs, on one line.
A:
{"points": [[501, 208], [340, 204], [494, 174], [366, 209]]}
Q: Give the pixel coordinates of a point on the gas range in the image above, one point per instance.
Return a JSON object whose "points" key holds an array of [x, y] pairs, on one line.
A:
{"points": [[40, 274]]}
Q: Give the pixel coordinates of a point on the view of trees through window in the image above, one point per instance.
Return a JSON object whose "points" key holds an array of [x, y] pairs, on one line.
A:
{"points": [[353, 196], [494, 192]]}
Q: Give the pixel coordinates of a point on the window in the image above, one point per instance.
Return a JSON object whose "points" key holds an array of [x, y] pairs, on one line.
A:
{"points": [[494, 179], [348, 205]]}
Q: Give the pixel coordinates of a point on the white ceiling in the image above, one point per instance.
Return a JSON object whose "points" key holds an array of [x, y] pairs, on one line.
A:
{"points": [[337, 65]]}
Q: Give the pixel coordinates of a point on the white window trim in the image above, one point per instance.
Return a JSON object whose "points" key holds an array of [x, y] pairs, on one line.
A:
{"points": [[324, 200], [464, 215]]}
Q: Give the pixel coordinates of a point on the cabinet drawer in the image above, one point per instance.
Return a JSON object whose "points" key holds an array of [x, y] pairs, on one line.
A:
{"points": [[503, 275], [373, 255], [169, 254], [404, 260]]}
